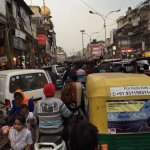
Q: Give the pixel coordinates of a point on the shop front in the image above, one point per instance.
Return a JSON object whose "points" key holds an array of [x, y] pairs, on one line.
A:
{"points": [[126, 53], [19, 52]]}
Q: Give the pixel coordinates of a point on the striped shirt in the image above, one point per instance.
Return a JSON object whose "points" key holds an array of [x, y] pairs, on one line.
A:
{"points": [[50, 111]]}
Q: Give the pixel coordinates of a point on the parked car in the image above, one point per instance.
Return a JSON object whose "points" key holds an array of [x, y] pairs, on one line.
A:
{"points": [[59, 70], [31, 82]]}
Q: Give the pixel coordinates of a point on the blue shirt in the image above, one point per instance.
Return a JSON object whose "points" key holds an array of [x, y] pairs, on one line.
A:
{"points": [[16, 108]]}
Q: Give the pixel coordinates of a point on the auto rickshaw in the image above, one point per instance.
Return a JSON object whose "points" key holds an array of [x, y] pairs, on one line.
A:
{"points": [[118, 104]]}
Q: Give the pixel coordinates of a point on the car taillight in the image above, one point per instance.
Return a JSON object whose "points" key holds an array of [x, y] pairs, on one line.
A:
{"points": [[57, 73], [104, 147], [7, 103]]}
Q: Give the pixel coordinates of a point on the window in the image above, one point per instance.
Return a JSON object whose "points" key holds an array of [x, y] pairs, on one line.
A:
{"points": [[129, 19], [60, 69], [27, 82]]}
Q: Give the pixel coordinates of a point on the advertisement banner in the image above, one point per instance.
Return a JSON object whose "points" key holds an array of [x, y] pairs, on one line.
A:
{"points": [[25, 17], [130, 91], [3, 59], [42, 39], [3, 8], [19, 44], [128, 116], [20, 34], [96, 48]]}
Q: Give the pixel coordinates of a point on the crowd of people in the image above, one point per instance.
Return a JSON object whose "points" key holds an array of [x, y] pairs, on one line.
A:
{"points": [[50, 113]]}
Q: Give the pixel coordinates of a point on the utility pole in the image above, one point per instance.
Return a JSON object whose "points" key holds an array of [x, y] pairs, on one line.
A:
{"points": [[82, 31]]}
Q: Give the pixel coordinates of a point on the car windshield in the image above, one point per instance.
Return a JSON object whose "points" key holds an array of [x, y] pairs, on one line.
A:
{"points": [[60, 69], [27, 82]]}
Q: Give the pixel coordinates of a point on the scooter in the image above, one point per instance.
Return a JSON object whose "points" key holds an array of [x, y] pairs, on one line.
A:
{"points": [[50, 143]]}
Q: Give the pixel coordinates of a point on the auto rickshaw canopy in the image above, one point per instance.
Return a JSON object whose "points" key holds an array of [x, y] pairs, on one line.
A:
{"points": [[98, 93]]}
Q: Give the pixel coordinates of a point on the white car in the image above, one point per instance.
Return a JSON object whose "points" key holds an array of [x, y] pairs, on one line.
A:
{"points": [[31, 82]]}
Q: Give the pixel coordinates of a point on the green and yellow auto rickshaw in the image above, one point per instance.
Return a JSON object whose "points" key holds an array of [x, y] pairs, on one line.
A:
{"points": [[119, 105]]}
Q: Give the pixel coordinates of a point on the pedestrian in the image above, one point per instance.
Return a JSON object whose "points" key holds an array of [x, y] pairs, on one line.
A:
{"points": [[19, 136], [50, 111], [123, 70], [73, 92], [65, 77], [83, 136], [53, 76], [31, 121], [19, 100], [81, 72]]}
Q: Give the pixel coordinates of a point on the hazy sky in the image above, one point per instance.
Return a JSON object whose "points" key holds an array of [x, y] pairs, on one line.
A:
{"points": [[71, 16]]}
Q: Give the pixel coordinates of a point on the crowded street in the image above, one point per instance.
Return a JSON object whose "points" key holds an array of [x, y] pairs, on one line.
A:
{"points": [[74, 75]]}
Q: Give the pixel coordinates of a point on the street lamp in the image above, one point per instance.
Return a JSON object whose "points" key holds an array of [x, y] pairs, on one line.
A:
{"points": [[104, 18], [82, 31], [90, 35]]}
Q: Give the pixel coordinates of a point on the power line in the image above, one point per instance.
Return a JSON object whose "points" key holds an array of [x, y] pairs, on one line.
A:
{"points": [[117, 14], [95, 10]]}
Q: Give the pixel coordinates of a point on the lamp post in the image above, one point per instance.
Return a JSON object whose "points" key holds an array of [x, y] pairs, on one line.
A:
{"points": [[90, 38], [104, 18], [82, 31], [90, 35]]}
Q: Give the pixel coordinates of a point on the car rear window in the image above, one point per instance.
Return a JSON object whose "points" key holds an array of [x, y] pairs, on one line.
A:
{"points": [[27, 82], [60, 69]]}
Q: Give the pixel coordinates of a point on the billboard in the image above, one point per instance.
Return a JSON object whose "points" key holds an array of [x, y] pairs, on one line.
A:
{"points": [[42, 39], [128, 116], [96, 52], [96, 48]]}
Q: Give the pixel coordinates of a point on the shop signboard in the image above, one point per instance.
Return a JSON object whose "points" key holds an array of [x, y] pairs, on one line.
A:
{"points": [[127, 51], [19, 44], [96, 52], [42, 39], [3, 59], [135, 22], [114, 48], [25, 17], [20, 34]]}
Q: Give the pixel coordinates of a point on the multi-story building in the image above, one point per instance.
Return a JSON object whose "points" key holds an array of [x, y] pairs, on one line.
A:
{"points": [[46, 34], [19, 42]]}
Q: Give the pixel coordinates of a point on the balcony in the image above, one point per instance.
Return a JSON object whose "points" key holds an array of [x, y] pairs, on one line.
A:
{"points": [[125, 34]]}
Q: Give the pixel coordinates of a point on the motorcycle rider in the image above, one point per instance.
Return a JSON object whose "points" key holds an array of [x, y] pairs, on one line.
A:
{"points": [[50, 111]]}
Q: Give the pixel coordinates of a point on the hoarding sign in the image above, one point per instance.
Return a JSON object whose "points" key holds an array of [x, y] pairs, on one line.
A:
{"points": [[25, 17], [114, 48], [20, 34], [127, 51], [19, 44], [42, 39], [96, 48], [3, 59], [128, 116]]}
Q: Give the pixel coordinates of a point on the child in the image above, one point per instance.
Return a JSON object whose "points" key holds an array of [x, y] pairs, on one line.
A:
{"points": [[30, 119], [20, 137]]}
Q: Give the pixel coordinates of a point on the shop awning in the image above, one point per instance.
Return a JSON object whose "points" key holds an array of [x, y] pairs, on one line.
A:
{"points": [[3, 59]]}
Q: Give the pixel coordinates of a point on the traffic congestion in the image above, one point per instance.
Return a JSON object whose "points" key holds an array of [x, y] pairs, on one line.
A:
{"points": [[112, 95], [74, 75]]}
